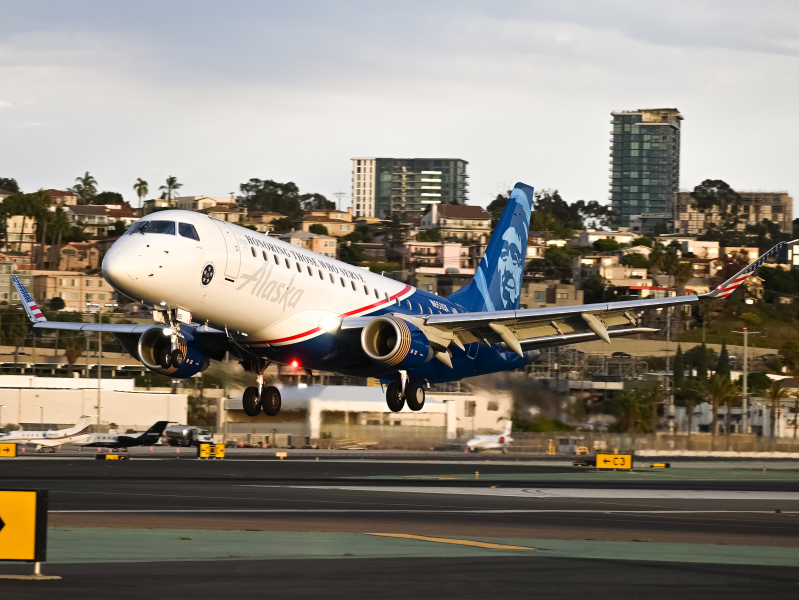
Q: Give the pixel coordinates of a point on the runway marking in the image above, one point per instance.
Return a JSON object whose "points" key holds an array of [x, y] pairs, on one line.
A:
{"points": [[423, 538], [550, 493]]}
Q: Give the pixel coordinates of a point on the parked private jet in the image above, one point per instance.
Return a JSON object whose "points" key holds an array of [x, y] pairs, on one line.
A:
{"points": [[218, 288], [491, 442], [126, 440], [50, 439]]}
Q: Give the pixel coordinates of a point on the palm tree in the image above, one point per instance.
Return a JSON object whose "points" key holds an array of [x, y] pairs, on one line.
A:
{"points": [[719, 390], [141, 189], [775, 394], [86, 187], [40, 211], [59, 227], [172, 185]]}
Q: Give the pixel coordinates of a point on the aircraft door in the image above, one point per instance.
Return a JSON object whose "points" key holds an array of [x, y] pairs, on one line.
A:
{"points": [[233, 265]]}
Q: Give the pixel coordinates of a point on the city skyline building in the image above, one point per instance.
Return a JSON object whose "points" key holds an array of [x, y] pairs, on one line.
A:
{"points": [[645, 161], [383, 186]]}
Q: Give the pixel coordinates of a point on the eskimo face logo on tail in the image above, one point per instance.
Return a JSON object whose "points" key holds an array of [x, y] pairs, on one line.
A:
{"points": [[510, 269], [499, 277]]}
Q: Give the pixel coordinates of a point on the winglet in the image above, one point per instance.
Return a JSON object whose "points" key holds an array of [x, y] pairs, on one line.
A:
{"points": [[729, 286], [34, 312]]}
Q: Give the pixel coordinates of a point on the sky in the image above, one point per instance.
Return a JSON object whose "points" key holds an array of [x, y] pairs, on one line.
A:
{"points": [[216, 93]]}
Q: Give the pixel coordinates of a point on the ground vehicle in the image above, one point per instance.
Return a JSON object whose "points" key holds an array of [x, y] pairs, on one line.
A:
{"points": [[187, 435]]}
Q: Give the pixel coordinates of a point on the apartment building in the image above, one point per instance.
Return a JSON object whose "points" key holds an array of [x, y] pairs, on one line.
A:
{"points": [[80, 292], [756, 207], [458, 221], [337, 222], [322, 244]]}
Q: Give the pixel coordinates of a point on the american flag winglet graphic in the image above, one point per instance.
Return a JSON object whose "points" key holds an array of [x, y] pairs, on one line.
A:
{"points": [[33, 310], [732, 284]]}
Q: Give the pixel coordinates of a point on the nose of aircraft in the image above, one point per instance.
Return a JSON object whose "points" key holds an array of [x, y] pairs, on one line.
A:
{"points": [[122, 267]]}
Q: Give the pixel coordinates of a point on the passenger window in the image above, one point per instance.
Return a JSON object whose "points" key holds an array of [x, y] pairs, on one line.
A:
{"points": [[252, 248], [366, 290], [299, 268], [408, 302], [388, 298], [332, 279], [454, 311], [309, 271], [352, 283], [342, 282], [264, 253], [421, 310], [187, 230], [288, 264], [321, 275], [430, 310], [277, 262], [377, 294]]}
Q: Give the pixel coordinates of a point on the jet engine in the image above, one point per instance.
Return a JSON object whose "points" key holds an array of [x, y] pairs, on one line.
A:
{"points": [[157, 354], [394, 342]]}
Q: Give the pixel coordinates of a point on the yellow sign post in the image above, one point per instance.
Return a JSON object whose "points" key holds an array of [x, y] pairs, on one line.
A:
{"points": [[218, 450], [614, 461], [204, 451], [211, 451], [8, 450], [23, 529]]}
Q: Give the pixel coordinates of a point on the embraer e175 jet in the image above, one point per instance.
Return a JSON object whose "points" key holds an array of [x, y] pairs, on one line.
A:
{"points": [[216, 287]]}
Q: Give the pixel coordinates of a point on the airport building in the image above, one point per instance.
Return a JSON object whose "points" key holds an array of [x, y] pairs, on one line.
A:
{"points": [[360, 413], [384, 186], [645, 161], [36, 403]]}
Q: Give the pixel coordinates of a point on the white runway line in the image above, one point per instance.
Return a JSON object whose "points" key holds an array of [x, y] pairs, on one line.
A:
{"points": [[436, 511], [532, 492]]}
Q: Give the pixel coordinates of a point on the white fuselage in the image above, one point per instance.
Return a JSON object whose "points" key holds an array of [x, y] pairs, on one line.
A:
{"points": [[489, 442], [262, 290], [73, 435]]}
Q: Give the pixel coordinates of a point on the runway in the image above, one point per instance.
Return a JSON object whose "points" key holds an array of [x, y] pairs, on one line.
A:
{"points": [[453, 524]]}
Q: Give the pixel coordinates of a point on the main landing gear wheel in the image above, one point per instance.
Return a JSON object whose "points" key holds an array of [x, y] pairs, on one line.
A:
{"points": [[251, 402], [270, 399], [414, 395], [394, 399]]}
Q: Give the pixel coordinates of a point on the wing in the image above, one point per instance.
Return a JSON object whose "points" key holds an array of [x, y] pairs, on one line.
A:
{"points": [[529, 329]]}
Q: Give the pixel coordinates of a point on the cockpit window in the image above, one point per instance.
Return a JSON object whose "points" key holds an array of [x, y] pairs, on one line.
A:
{"points": [[187, 230], [167, 227]]}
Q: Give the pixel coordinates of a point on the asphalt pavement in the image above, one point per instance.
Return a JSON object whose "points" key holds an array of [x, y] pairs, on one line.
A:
{"points": [[391, 524]]}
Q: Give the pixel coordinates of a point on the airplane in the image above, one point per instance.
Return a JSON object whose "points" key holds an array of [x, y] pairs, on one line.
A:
{"points": [[491, 442], [125, 441], [50, 439], [218, 288]]}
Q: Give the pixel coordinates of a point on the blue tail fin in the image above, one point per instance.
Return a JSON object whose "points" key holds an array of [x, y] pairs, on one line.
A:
{"points": [[497, 283]]}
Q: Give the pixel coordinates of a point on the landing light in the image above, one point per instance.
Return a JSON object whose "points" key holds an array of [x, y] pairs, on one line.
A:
{"points": [[330, 324], [167, 331], [163, 303]]}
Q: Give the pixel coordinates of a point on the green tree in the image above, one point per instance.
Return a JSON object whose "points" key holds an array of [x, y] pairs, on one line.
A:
{"points": [[496, 207], [15, 325], [142, 189], [594, 289], [73, 349], [775, 394], [723, 364], [606, 245], [636, 260], [318, 229], [59, 228], [9, 184], [429, 235], [85, 188], [719, 390], [701, 362], [107, 198], [635, 410], [170, 186]]}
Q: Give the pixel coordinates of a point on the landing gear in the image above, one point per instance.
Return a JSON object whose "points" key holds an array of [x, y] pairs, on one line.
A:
{"points": [[251, 402], [414, 395], [176, 358], [394, 398], [270, 400]]}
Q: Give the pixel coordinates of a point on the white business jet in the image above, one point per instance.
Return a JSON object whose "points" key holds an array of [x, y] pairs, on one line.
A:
{"points": [[491, 442], [48, 440]]}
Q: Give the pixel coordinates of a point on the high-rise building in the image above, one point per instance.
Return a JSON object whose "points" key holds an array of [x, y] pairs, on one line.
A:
{"points": [[756, 207], [645, 171], [383, 186]]}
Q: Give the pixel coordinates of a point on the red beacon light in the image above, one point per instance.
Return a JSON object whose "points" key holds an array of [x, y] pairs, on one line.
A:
{"points": [[294, 363]]}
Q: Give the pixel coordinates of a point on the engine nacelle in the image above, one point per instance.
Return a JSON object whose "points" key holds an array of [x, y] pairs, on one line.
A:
{"points": [[155, 346], [394, 342]]}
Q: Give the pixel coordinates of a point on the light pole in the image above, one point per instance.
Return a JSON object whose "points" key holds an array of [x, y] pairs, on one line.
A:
{"points": [[2, 406], [745, 389], [41, 417]]}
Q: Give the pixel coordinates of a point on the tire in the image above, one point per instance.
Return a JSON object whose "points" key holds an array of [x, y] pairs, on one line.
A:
{"points": [[251, 402], [164, 358], [414, 395], [271, 401], [394, 399]]}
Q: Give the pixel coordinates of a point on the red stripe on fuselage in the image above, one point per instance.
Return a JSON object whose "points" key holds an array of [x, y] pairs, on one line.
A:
{"points": [[346, 314]]}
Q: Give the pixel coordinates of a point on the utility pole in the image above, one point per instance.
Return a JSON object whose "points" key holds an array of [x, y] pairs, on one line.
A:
{"points": [[339, 196], [99, 364], [745, 389]]}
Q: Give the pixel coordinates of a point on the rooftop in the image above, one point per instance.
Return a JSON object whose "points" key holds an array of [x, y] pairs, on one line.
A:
{"points": [[462, 211], [303, 235]]}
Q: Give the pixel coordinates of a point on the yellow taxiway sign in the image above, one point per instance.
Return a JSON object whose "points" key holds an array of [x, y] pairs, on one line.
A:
{"points": [[614, 461], [23, 525]]}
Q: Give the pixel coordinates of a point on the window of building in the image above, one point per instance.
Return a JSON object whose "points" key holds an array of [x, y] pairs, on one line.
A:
{"points": [[89, 297], [74, 282], [101, 296], [469, 408], [493, 406], [540, 295]]}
